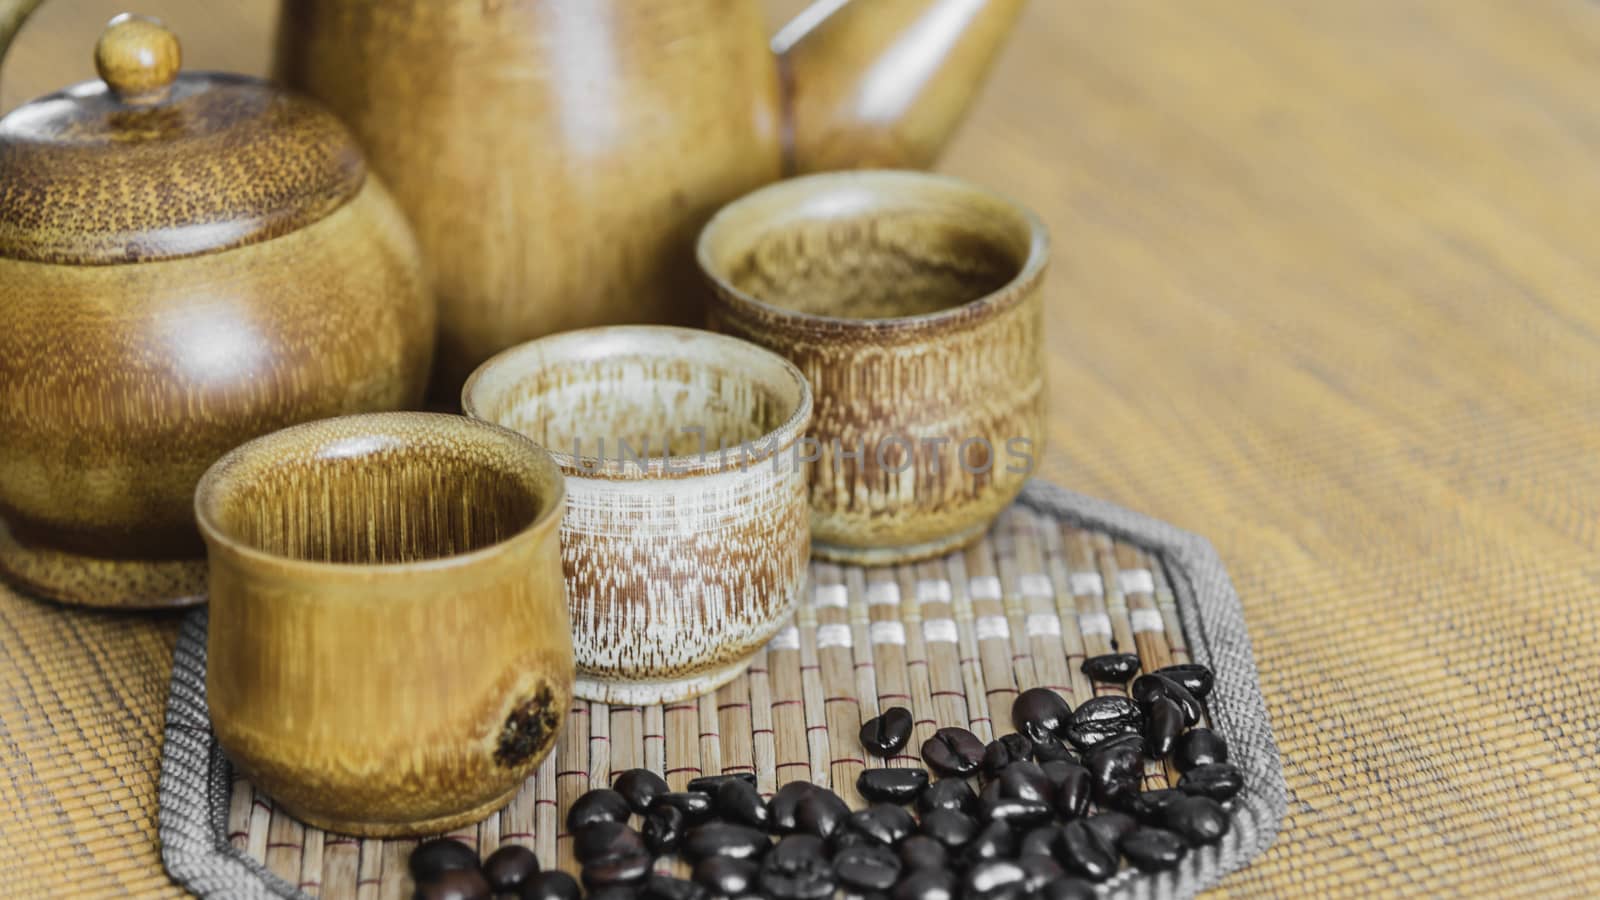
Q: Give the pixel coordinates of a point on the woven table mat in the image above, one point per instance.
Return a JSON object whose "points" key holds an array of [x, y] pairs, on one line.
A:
{"points": [[1057, 578]]}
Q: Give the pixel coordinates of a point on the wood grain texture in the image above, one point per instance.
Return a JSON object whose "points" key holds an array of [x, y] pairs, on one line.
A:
{"points": [[557, 156], [119, 385], [138, 59], [367, 695], [912, 302], [884, 84], [686, 536], [1323, 291], [154, 165]]}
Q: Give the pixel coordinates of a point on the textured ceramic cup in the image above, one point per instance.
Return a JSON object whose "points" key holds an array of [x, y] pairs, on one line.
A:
{"points": [[389, 645], [682, 559], [911, 302]]}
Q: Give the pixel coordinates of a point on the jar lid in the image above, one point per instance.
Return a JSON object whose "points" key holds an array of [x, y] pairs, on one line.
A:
{"points": [[149, 164]]}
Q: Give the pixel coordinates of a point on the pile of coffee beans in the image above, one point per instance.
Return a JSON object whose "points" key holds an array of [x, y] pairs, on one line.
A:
{"points": [[1060, 807]]}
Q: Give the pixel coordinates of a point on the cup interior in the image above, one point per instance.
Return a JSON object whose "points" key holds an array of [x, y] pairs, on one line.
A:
{"points": [[378, 490], [868, 245], [628, 399]]}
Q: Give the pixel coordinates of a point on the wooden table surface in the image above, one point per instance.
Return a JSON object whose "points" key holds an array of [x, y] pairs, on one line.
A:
{"points": [[1326, 289]]}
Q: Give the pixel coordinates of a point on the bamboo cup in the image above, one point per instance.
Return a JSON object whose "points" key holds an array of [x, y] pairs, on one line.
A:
{"points": [[389, 649]]}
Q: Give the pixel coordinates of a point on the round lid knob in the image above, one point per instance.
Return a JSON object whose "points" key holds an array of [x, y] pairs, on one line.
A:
{"points": [[138, 58]]}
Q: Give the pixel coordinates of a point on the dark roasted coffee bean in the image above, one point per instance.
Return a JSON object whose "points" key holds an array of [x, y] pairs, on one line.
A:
{"points": [[1018, 746], [1005, 751], [1052, 750], [1025, 781], [598, 805], [1162, 725], [795, 849], [868, 868], [440, 855], [1067, 889], [1150, 807], [1187, 702], [724, 839], [640, 787], [1059, 770], [695, 806], [665, 887], [1146, 688], [953, 751], [1117, 794], [615, 891], [1153, 849], [990, 794], [849, 837], [797, 869], [1195, 678], [1198, 820], [1073, 792], [992, 879], [885, 734], [1086, 853], [885, 823], [1219, 781], [663, 828], [454, 884], [726, 876], [1199, 747], [820, 813], [606, 838], [1110, 826], [739, 802], [921, 852], [1041, 871], [950, 827], [1018, 813], [1109, 708], [1040, 713], [995, 840], [1113, 763], [926, 884], [1102, 717], [892, 785], [785, 805], [710, 784], [622, 868], [1039, 841], [1126, 739], [508, 868], [551, 885], [948, 793], [1113, 668], [995, 759]]}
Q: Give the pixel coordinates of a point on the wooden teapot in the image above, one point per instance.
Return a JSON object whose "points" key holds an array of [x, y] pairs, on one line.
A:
{"points": [[557, 157], [186, 261]]}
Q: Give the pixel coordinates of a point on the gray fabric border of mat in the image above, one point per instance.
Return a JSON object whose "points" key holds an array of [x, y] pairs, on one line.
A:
{"points": [[195, 776]]}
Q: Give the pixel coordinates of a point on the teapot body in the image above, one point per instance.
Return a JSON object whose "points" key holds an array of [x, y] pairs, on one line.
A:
{"points": [[556, 157], [120, 384]]}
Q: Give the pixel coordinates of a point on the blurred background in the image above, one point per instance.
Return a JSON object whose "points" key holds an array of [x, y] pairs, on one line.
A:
{"points": [[1326, 289]]}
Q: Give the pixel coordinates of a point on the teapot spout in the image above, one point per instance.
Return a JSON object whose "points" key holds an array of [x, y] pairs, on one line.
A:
{"points": [[883, 83]]}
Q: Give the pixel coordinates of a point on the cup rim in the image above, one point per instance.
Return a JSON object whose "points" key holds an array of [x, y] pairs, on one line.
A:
{"points": [[655, 467], [215, 480], [1000, 298]]}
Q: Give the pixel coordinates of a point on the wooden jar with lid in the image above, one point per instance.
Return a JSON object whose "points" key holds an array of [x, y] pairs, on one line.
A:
{"points": [[187, 260]]}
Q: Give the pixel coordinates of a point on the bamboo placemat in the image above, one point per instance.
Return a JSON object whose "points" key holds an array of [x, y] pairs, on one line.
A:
{"points": [[1059, 577]]}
